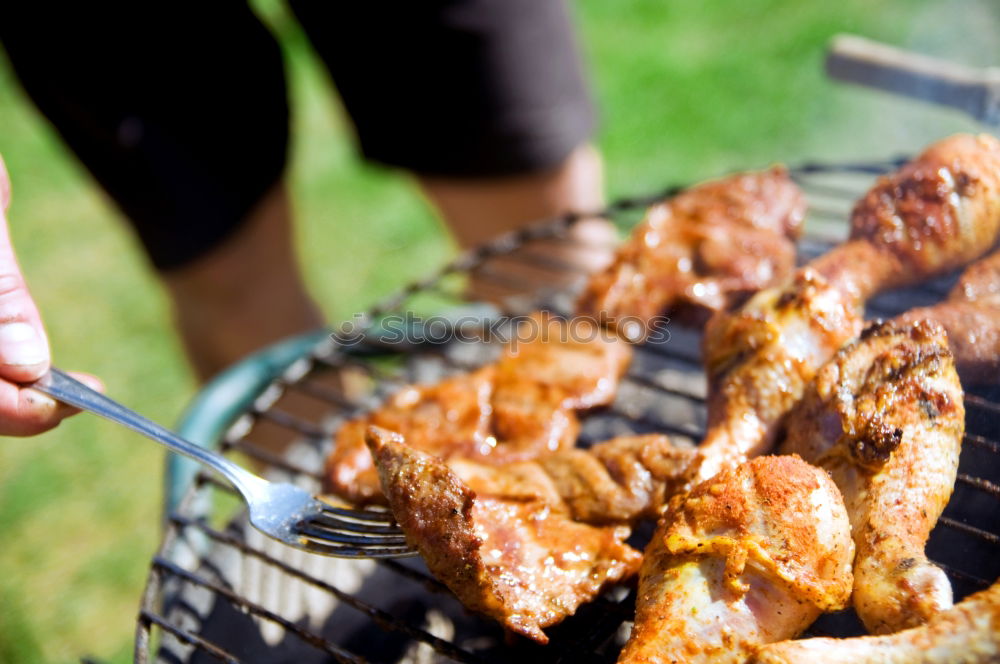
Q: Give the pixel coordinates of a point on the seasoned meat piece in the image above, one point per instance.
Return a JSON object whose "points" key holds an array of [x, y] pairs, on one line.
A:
{"points": [[620, 480], [749, 557], [885, 418], [519, 408], [705, 247], [508, 549], [968, 633], [936, 213], [971, 316], [447, 419], [529, 419], [760, 358], [980, 282], [575, 357]]}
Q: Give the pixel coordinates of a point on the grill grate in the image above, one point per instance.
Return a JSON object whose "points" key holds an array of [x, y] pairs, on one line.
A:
{"points": [[219, 591]]}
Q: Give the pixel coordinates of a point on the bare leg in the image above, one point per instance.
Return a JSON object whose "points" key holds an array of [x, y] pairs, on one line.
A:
{"points": [[248, 292], [478, 210], [245, 294]]}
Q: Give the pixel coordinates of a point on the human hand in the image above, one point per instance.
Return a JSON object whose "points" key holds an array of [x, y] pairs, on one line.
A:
{"points": [[24, 347]]}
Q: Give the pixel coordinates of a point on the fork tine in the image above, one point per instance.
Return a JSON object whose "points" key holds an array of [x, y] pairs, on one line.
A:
{"points": [[307, 530], [376, 516], [326, 549], [323, 520]]}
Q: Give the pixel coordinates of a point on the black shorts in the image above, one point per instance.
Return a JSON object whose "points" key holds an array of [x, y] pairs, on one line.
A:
{"points": [[179, 108]]}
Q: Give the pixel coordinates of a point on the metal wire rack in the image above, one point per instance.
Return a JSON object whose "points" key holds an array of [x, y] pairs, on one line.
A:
{"points": [[217, 591]]}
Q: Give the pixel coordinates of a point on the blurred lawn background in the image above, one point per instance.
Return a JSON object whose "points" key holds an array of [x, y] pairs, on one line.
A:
{"points": [[686, 90]]}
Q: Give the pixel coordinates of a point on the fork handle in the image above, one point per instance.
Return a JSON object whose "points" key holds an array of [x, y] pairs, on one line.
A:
{"points": [[973, 90], [65, 388]]}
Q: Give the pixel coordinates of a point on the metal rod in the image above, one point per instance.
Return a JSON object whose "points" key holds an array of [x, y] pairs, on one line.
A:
{"points": [[148, 617], [340, 654], [382, 618], [963, 576], [252, 450], [970, 530], [979, 483], [289, 421]]}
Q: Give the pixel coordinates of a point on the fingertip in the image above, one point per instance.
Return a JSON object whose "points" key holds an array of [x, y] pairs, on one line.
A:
{"points": [[23, 373], [24, 352], [27, 412], [91, 381], [43, 412]]}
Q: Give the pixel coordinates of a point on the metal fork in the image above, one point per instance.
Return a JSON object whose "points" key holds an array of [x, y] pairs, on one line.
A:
{"points": [[277, 509]]}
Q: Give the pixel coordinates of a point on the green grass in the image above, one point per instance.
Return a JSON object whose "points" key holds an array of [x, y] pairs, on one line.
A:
{"points": [[686, 90]]}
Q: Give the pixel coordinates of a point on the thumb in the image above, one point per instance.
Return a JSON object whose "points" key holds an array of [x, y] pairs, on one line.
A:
{"points": [[24, 348]]}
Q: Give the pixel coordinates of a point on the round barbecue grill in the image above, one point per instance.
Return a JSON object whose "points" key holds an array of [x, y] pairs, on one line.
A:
{"points": [[219, 591]]}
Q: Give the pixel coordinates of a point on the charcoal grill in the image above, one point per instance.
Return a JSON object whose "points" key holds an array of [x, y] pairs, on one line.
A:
{"points": [[217, 591]]}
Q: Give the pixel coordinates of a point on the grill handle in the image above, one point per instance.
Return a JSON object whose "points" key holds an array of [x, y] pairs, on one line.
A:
{"points": [[857, 60]]}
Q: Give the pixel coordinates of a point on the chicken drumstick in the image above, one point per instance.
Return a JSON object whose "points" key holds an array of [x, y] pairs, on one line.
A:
{"points": [[885, 417], [971, 315], [705, 247], [751, 556], [968, 633], [936, 213]]}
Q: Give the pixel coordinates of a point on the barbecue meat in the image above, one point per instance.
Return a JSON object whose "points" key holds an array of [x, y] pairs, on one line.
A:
{"points": [[751, 556], [885, 418], [450, 418], [968, 633], [760, 358], [618, 481], [574, 357], [971, 315], [939, 211], [519, 408], [705, 247], [505, 544]]}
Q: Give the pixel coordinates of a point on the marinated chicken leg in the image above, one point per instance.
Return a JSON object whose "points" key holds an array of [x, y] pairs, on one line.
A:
{"points": [[939, 211], [519, 408], [968, 633], [749, 557], [705, 247], [885, 418], [971, 315], [760, 358], [505, 543]]}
